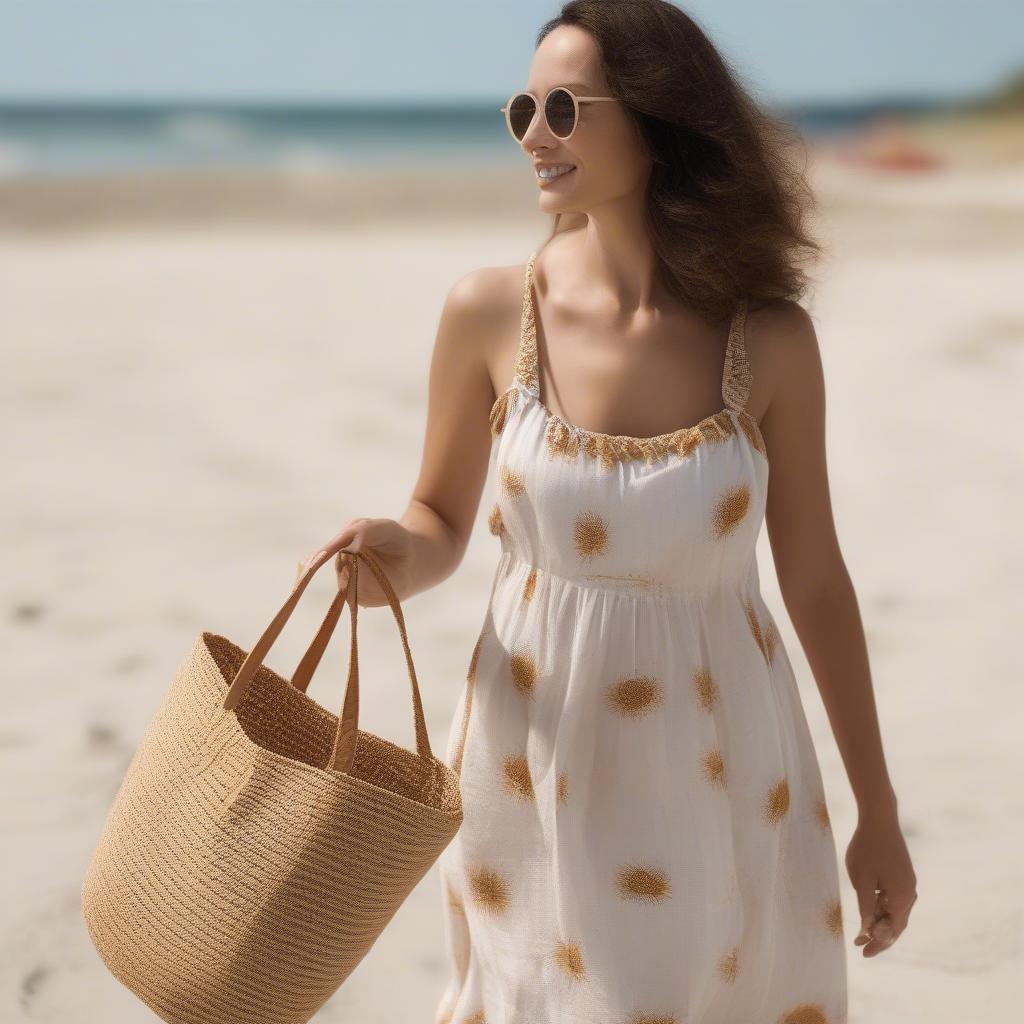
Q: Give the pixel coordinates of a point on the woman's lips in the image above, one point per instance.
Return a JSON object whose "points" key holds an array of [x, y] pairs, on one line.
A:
{"points": [[544, 181]]}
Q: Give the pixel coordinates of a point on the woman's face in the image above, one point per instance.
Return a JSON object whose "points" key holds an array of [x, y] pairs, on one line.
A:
{"points": [[606, 151]]}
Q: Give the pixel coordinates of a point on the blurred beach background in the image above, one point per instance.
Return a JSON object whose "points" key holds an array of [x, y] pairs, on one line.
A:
{"points": [[226, 234]]}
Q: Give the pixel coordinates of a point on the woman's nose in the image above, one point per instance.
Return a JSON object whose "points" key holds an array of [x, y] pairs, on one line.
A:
{"points": [[537, 135]]}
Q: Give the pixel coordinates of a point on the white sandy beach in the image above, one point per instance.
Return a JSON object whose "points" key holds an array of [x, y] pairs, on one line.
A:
{"points": [[193, 402]]}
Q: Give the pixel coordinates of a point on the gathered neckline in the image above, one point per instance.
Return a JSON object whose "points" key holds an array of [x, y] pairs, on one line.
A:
{"points": [[654, 446], [668, 435], [736, 382]]}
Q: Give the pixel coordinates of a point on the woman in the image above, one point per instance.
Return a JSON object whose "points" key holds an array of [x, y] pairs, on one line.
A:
{"points": [[645, 835]]}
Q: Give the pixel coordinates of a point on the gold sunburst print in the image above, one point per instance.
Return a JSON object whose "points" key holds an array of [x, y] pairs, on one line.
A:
{"points": [[714, 768], [530, 586], [834, 918], [752, 622], [634, 696], [563, 788], [706, 688], [518, 782], [641, 883], [503, 405], [569, 958], [776, 804], [476, 1018], [766, 639], [821, 814], [771, 641], [729, 965], [523, 669], [805, 1013], [590, 535], [653, 1018], [730, 509], [512, 483], [488, 889], [495, 521]]}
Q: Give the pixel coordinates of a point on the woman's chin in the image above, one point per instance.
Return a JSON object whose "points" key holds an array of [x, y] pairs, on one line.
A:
{"points": [[548, 202]]}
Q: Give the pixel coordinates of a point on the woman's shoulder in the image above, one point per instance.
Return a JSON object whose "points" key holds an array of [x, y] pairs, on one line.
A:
{"points": [[782, 349], [783, 327], [488, 294], [481, 316]]}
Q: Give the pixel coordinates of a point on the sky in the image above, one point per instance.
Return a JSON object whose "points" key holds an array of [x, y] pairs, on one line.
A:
{"points": [[786, 51]]}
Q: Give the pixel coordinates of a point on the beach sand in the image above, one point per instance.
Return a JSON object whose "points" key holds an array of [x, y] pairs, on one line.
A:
{"points": [[204, 383]]}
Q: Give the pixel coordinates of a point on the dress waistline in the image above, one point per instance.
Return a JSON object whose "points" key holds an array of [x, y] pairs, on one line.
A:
{"points": [[640, 585]]}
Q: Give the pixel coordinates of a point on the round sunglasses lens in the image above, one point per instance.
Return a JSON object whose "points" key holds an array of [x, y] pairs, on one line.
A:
{"points": [[520, 115], [561, 113]]}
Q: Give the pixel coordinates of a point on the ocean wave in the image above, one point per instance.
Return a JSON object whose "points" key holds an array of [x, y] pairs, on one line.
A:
{"points": [[14, 160], [203, 129]]}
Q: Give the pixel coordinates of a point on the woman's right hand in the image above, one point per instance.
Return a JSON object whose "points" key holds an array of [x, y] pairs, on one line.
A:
{"points": [[387, 540]]}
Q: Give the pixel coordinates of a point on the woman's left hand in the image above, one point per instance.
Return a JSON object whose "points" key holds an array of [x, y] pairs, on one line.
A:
{"points": [[879, 867]]}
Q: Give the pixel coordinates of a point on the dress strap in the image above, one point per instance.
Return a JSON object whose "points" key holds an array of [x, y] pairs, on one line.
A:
{"points": [[736, 377], [526, 353]]}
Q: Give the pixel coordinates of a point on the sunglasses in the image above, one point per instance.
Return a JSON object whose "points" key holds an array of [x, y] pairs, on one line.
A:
{"points": [[561, 111]]}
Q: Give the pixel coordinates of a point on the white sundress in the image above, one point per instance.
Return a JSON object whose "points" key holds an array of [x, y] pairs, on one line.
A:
{"points": [[645, 836]]}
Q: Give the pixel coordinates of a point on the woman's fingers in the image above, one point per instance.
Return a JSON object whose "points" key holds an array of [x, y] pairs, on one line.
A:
{"points": [[386, 538], [884, 923], [882, 936], [872, 918], [348, 538], [869, 907], [344, 567], [897, 902]]}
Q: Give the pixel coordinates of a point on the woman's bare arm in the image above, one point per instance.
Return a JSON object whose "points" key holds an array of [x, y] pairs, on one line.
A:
{"points": [[821, 602], [478, 330], [813, 578]]}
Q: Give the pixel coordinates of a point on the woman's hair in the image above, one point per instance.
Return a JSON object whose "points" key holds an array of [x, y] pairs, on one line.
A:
{"points": [[726, 204]]}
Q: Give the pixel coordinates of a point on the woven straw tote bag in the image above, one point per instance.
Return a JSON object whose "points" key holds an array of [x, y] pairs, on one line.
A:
{"points": [[258, 845]]}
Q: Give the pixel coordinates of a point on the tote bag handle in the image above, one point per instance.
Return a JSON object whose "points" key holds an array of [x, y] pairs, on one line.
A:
{"points": [[348, 721], [311, 659]]}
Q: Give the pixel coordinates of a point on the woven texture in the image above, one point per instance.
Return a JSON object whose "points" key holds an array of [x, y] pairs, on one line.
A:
{"points": [[239, 877]]}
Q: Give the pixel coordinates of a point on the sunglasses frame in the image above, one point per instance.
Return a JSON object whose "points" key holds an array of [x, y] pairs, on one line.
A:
{"points": [[541, 108]]}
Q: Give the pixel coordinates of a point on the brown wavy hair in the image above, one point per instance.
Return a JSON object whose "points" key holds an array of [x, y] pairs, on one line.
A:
{"points": [[727, 198]]}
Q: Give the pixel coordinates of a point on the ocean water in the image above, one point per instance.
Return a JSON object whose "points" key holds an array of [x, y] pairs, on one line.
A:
{"points": [[61, 139]]}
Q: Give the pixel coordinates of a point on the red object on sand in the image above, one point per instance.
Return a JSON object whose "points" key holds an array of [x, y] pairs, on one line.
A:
{"points": [[887, 144]]}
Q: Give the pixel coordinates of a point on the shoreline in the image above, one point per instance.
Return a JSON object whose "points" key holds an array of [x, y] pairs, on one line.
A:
{"points": [[917, 166]]}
